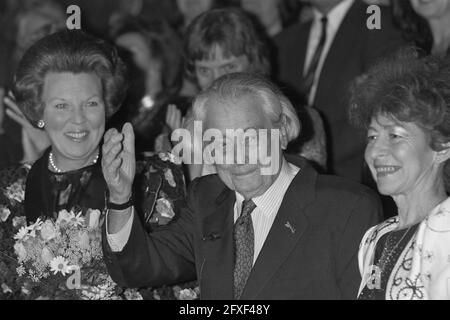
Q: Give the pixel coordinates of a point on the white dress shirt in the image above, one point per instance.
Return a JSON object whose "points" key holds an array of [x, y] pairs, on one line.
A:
{"points": [[267, 206], [335, 17]]}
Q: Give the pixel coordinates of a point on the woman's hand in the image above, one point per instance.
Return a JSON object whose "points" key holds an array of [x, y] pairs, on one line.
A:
{"points": [[34, 141], [119, 163], [173, 117]]}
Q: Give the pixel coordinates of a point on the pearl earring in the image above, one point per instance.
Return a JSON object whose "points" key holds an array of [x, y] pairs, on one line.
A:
{"points": [[41, 124]]}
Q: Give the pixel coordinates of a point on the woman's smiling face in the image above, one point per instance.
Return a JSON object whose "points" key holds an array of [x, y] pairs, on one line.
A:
{"points": [[400, 157], [74, 114]]}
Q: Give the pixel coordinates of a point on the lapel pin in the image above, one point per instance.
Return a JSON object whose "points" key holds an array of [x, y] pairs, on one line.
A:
{"points": [[290, 227]]}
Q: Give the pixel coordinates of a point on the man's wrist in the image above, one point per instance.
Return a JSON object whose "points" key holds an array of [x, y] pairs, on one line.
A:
{"points": [[118, 199], [119, 202]]}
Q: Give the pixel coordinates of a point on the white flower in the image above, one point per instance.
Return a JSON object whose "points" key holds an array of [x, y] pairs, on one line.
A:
{"points": [[21, 270], [20, 251], [163, 156], [132, 294], [19, 222], [4, 213], [59, 264], [6, 289], [169, 177], [35, 226], [93, 218], [25, 291], [15, 191], [174, 159], [84, 240], [76, 220], [48, 230], [187, 294], [46, 255], [21, 234], [164, 207], [169, 157], [63, 217]]}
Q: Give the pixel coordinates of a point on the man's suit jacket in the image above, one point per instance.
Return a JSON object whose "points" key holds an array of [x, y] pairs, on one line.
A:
{"points": [[354, 49], [309, 253]]}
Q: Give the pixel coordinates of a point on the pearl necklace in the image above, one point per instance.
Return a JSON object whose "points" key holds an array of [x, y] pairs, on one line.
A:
{"points": [[58, 170]]}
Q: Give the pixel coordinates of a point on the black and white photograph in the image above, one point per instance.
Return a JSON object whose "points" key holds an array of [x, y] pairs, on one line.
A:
{"points": [[204, 150]]}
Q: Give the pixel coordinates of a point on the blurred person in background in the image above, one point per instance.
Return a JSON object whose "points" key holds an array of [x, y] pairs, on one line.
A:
{"points": [[319, 58], [274, 15], [27, 22], [152, 51], [191, 9], [425, 23], [146, 10]]}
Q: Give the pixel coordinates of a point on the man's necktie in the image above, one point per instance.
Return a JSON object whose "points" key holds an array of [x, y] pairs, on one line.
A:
{"points": [[308, 79], [244, 247]]}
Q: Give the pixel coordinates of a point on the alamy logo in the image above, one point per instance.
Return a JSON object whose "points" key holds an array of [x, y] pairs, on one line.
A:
{"points": [[234, 146], [374, 21], [74, 20]]}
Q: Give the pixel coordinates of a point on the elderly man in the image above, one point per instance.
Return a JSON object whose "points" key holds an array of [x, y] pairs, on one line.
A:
{"points": [[246, 232]]}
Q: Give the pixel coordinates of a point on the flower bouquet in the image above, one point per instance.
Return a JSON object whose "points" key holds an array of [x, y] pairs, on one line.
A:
{"points": [[63, 259], [12, 193]]}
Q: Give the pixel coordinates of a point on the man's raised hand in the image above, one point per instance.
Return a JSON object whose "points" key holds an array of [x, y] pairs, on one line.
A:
{"points": [[119, 163]]}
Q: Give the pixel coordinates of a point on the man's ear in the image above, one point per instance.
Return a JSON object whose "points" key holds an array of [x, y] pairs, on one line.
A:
{"points": [[444, 154]]}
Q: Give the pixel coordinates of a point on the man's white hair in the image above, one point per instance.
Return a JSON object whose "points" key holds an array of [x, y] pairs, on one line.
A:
{"points": [[231, 87]]}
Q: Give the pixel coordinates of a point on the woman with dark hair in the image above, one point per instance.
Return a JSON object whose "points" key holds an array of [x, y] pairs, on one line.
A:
{"points": [[24, 23], [68, 84], [152, 52], [403, 103]]}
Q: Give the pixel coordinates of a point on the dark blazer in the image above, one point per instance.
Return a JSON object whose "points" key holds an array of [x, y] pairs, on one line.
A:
{"points": [[310, 251], [354, 49]]}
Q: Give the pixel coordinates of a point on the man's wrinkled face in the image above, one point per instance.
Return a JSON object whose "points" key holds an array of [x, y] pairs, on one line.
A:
{"points": [[243, 113]]}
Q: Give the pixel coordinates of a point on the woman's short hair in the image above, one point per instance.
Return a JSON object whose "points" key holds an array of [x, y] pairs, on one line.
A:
{"points": [[164, 45], [70, 51], [231, 30], [235, 85], [407, 88]]}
